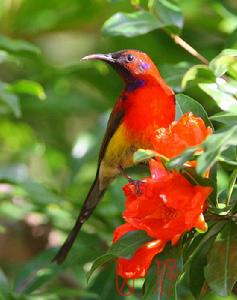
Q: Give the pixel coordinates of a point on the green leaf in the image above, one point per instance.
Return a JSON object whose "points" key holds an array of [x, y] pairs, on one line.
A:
{"points": [[4, 284], [228, 86], [3, 56], [197, 74], [99, 262], [184, 283], [223, 62], [178, 161], [12, 101], [214, 145], [162, 274], [196, 268], [222, 182], [185, 104], [220, 271], [27, 87], [195, 178], [231, 41], [131, 24], [231, 184], [169, 13], [225, 101], [129, 243], [124, 247], [17, 46], [36, 273], [173, 74], [182, 287], [37, 192], [104, 284], [227, 118], [142, 155]]}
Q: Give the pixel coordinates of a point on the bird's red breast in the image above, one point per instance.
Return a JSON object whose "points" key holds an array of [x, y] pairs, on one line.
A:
{"points": [[146, 110]]}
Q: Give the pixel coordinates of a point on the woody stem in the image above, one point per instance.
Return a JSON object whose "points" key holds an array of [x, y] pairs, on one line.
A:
{"points": [[179, 41]]}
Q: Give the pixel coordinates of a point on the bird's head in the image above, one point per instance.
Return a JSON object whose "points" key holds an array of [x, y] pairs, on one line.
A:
{"points": [[130, 64]]}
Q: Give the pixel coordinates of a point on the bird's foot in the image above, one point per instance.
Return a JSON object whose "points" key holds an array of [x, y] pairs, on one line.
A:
{"points": [[137, 183]]}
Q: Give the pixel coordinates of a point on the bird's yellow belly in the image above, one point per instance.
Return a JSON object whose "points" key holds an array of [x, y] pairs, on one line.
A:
{"points": [[119, 153], [120, 149]]}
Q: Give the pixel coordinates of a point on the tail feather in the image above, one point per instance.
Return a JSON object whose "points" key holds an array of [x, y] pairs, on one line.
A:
{"points": [[93, 197]]}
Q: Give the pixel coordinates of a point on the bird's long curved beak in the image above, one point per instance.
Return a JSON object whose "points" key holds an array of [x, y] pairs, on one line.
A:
{"points": [[104, 57]]}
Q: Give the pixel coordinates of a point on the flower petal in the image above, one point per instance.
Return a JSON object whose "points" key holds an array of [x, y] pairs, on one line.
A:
{"points": [[138, 265], [122, 230], [188, 131]]}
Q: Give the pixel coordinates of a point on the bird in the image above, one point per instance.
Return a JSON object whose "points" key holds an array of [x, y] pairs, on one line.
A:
{"points": [[145, 104]]}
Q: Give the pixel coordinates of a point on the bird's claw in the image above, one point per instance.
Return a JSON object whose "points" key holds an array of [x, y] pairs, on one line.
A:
{"points": [[135, 182], [137, 185]]}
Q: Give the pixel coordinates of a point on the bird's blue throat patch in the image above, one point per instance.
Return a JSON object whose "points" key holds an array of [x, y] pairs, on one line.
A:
{"points": [[135, 85]]}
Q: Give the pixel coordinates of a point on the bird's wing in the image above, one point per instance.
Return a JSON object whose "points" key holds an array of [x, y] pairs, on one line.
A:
{"points": [[95, 193], [114, 121]]}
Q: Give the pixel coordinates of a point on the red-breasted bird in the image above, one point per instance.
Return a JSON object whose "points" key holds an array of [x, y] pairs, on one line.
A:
{"points": [[145, 104]]}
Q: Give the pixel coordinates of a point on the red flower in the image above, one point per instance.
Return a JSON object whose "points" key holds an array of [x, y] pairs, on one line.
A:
{"points": [[167, 206], [188, 131]]}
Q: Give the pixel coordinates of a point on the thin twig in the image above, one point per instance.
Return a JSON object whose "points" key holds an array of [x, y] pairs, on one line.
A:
{"points": [[179, 41], [214, 217]]}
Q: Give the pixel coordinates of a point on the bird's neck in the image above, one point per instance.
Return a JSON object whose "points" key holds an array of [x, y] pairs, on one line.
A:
{"points": [[147, 81], [135, 84]]}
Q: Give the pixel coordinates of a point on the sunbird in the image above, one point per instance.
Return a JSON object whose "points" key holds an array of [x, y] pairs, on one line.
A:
{"points": [[145, 104]]}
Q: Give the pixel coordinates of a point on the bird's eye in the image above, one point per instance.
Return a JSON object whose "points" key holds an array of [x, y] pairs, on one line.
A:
{"points": [[130, 57]]}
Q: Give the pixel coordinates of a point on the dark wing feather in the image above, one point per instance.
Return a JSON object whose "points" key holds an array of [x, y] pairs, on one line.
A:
{"points": [[95, 193]]}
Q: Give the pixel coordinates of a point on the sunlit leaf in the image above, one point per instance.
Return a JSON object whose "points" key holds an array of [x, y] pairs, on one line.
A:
{"points": [[142, 155], [131, 24], [197, 74], [27, 87], [3, 56], [227, 118], [225, 101], [223, 62], [169, 13]]}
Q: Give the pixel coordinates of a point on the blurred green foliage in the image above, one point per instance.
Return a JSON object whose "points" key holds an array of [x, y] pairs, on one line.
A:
{"points": [[54, 110]]}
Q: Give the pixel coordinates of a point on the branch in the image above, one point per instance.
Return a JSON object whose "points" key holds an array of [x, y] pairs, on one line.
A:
{"points": [[179, 41], [214, 217]]}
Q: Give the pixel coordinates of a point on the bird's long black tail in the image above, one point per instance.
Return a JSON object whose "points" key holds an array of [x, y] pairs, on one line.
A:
{"points": [[93, 197]]}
